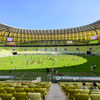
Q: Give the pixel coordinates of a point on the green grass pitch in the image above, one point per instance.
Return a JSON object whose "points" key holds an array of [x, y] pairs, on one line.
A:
{"points": [[19, 62]]}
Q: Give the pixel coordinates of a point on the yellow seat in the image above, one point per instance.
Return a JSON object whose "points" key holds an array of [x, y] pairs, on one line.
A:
{"points": [[70, 94], [34, 96], [6, 96], [84, 91], [94, 91], [94, 96], [43, 92], [19, 89], [75, 91], [28, 90], [10, 90], [31, 86], [2, 90], [81, 96], [20, 96]]}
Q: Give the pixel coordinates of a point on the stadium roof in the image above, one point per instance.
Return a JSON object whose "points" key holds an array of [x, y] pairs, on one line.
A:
{"points": [[93, 26]]}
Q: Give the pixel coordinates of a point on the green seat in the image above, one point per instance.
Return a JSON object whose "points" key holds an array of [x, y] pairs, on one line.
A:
{"points": [[94, 96], [20, 96], [34, 96], [81, 96]]}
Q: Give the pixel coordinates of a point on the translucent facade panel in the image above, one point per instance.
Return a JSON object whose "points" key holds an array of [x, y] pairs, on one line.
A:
{"points": [[46, 36], [23, 35], [98, 31], [19, 39], [2, 33], [15, 39], [62, 36], [88, 35], [39, 37], [5, 39], [56, 37], [59, 36], [6, 33], [73, 36], [81, 38], [36, 37], [33, 36], [85, 38], [70, 36], [84, 34], [93, 33], [76, 36], [79, 34], [42, 36], [29, 39], [11, 34], [0, 38], [50, 37], [19, 35], [26, 36], [15, 35]]}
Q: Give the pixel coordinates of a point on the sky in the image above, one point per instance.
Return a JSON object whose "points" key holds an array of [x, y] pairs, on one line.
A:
{"points": [[49, 14]]}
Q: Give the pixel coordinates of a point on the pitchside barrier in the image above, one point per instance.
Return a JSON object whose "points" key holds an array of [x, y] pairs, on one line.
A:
{"points": [[75, 79], [6, 77]]}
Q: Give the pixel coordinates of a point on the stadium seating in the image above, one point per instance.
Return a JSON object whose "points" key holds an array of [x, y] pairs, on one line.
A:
{"points": [[69, 49], [19, 91], [74, 92]]}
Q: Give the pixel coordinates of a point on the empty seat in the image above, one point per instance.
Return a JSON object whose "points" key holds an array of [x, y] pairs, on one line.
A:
{"points": [[20, 96], [19, 89], [95, 96], [2, 90], [28, 90], [34, 96], [10, 90], [6, 96], [84, 91], [81, 96]]}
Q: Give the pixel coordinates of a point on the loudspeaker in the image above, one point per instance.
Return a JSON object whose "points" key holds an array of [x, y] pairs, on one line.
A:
{"points": [[14, 53], [88, 52]]}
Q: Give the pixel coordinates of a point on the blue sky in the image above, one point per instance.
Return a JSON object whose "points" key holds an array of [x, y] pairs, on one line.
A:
{"points": [[49, 14]]}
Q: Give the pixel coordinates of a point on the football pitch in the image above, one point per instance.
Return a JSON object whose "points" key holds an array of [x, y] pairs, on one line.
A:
{"points": [[20, 62]]}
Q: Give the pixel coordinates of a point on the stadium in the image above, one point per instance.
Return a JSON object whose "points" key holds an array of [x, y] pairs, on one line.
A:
{"points": [[31, 59]]}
